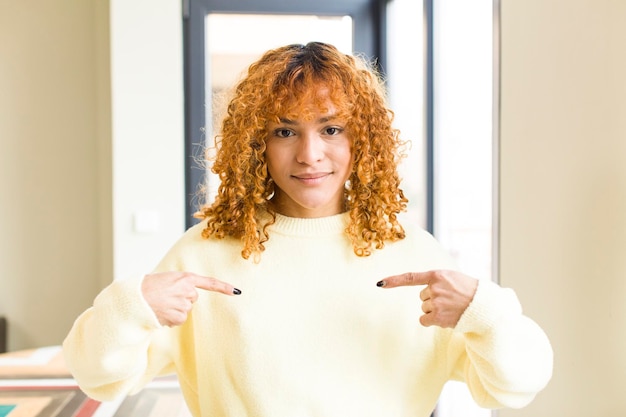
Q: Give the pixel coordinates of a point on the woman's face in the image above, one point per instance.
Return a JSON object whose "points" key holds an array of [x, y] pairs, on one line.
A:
{"points": [[310, 161]]}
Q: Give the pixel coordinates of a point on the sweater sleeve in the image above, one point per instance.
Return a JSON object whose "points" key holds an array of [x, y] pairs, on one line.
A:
{"points": [[504, 357], [117, 345]]}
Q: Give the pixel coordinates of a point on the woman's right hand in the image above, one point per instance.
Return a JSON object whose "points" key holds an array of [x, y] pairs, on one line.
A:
{"points": [[171, 294]]}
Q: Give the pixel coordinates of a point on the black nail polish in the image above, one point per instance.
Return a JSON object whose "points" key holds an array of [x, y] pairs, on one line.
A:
{"points": [[380, 284], [236, 291]]}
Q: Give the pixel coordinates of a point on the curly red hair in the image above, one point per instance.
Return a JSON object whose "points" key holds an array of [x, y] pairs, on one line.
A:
{"points": [[276, 86]]}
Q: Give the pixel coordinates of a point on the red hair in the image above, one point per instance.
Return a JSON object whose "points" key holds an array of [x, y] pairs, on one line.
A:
{"points": [[276, 86]]}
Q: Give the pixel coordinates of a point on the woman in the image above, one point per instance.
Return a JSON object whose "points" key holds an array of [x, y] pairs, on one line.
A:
{"points": [[305, 233]]}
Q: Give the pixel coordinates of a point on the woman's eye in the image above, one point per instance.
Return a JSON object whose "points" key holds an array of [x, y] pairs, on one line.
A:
{"points": [[333, 131], [283, 133]]}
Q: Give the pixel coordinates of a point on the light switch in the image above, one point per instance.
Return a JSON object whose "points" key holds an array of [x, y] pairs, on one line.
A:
{"points": [[146, 221]]}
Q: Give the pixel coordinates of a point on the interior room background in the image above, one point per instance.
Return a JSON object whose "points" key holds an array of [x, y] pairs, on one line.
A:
{"points": [[92, 169]]}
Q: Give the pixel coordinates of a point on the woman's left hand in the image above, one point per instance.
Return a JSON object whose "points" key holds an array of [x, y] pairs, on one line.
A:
{"points": [[445, 297]]}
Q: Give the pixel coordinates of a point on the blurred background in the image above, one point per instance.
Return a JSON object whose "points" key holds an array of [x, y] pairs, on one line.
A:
{"points": [[515, 110]]}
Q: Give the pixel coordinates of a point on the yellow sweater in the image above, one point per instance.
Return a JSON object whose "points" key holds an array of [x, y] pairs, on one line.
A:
{"points": [[311, 334]]}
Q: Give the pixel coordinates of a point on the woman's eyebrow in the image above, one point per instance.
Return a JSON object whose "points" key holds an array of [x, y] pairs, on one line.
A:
{"points": [[287, 121], [327, 119], [324, 119]]}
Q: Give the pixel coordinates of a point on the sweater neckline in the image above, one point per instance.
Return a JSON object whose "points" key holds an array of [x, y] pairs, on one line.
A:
{"points": [[319, 226]]}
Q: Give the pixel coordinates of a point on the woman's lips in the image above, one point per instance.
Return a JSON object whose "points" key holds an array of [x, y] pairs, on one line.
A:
{"points": [[311, 178]]}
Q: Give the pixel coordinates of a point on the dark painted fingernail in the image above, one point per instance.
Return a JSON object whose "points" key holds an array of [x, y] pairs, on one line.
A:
{"points": [[380, 284], [236, 291]]}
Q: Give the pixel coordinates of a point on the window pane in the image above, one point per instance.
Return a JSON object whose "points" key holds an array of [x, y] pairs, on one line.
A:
{"points": [[463, 73], [405, 74]]}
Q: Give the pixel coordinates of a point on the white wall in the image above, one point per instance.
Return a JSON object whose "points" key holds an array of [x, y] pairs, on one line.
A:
{"points": [[563, 193], [54, 215], [147, 131], [91, 132]]}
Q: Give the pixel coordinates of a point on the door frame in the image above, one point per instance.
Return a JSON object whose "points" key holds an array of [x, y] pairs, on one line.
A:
{"points": [[369, 29]]}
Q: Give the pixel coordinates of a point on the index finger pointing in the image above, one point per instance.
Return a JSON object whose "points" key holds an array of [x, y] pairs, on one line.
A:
{"points": [[404, 280], [212, 284]]}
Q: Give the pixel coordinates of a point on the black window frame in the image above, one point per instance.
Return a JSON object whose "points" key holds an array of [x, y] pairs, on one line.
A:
{"points": [[369, 39]]}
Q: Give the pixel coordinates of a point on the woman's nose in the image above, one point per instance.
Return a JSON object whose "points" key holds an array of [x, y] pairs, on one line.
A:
{"points": [[310, 149]]}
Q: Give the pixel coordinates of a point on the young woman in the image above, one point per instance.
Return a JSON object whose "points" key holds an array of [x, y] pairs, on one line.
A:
{"points": [[279, 301]]}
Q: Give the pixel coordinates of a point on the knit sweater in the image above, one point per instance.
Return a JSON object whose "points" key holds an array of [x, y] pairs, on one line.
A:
{"points": [[311, 334]]}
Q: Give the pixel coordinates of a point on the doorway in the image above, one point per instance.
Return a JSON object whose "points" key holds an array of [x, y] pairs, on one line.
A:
{"points": [[355, 25]]}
